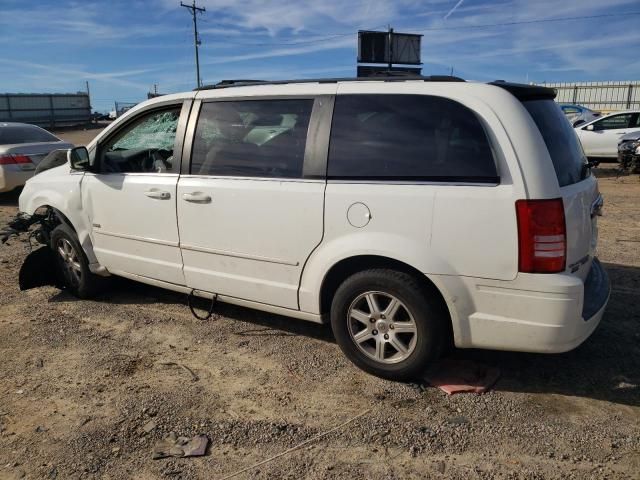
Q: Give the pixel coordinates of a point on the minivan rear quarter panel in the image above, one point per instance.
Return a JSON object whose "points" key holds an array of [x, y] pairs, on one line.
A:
{"points": [[438, 228]]}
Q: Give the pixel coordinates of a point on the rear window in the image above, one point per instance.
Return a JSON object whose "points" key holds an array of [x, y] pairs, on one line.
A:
{"points": [[24, 134], [562, 142], [412, 137]]}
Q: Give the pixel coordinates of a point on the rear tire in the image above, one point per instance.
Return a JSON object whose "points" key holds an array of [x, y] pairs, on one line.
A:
{"points": [[72, 264], [388, 323]]}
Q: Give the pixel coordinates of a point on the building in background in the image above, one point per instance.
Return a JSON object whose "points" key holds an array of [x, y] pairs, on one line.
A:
{"points": [[48, 110]]}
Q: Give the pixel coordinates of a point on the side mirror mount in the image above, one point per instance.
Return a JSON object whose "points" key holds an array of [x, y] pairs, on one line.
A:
{"points": [[591, 128], [78, 158]]}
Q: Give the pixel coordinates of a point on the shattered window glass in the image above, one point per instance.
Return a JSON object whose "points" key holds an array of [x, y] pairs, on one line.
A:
{"points": [[144, 146], [157, 131]]}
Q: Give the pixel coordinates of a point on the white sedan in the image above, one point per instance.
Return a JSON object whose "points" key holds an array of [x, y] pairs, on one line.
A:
{"points": [[600, 137]]}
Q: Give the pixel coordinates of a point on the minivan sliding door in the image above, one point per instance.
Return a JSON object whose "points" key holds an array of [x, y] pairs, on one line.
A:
{"points": [[250, 208]]}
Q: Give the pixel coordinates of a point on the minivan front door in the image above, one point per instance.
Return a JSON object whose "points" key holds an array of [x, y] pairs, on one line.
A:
{"points": [[131, 200], [249, 212]]}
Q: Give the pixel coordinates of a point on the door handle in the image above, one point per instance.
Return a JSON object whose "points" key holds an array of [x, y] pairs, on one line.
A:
{"points": [[159, 194], [196, 197]]}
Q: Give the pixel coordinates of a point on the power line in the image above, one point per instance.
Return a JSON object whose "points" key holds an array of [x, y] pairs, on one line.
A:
{"points": [[524, 22], [458, 27], [303, 42], [196, 40]]}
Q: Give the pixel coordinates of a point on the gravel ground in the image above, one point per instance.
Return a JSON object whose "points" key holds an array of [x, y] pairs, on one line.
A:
{"points": [[80, 380]]}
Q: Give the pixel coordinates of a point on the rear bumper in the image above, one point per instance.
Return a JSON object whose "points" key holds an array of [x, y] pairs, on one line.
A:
{"points": [[12, 177], [534, 313]]}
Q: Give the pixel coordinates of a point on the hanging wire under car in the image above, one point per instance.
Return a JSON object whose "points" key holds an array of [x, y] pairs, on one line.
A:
{"points": [[212, 306]]}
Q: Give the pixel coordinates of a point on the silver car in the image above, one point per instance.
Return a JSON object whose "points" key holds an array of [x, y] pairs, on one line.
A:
{"points": [[577, 114], [22, 147]]}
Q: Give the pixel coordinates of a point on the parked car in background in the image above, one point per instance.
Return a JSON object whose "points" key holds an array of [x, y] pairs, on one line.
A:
{"points": [[22, 147], [410, 214], [577, 114], [629, 152], [600, 137]]}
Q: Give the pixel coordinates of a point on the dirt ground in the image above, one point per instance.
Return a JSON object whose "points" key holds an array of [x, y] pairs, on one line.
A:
{"points": [[80, 381]]}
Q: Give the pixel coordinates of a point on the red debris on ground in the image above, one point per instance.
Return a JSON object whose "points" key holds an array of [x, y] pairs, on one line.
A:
{"points": [[461, 376]]}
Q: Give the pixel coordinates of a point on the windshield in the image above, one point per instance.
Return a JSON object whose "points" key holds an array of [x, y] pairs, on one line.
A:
{"points": [[562, 142], [12, 134]]}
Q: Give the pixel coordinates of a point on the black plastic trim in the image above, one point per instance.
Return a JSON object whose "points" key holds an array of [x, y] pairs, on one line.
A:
{"points": [[390, 78], [596, 290], [524, 92], [430, 179]]}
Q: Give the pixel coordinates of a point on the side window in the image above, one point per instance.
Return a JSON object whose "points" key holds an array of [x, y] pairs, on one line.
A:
{"points": [[144, 146], [408, 137], [570, 110], [613, 122], [251, 138]]}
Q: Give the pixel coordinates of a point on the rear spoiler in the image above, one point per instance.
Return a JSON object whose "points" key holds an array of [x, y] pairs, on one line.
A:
{"points": [[524, 92]]}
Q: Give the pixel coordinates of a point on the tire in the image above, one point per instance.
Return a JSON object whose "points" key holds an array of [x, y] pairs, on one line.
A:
{"points": [[398, 339], [72, 264]]}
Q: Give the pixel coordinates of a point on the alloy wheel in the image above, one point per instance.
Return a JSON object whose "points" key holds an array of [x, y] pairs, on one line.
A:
{"points": [[382, 327], [71, 267]]}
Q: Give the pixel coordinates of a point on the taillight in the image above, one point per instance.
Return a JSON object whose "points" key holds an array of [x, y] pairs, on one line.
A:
{"points": [[14, 159], [542, 236]]}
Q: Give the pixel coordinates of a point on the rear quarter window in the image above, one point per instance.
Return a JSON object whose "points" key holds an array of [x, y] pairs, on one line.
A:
{"points": [[412, 137], [562, 142]]}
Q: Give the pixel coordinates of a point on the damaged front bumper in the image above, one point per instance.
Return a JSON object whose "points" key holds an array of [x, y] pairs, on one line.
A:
{"points": [[39, 267], [23, 222]]}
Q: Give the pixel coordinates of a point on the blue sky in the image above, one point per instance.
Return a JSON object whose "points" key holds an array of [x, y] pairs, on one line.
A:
{"points": [[123, 47]]}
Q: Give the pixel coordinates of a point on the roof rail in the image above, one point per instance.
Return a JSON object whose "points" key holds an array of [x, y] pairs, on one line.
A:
{"points": [[385, 78]]}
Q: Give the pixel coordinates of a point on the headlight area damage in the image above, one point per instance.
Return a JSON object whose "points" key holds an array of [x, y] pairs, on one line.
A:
{"points": [[39, 267]]}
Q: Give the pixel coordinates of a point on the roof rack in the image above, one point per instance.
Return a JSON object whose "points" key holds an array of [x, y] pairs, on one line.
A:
{"points": [[382, 78]]}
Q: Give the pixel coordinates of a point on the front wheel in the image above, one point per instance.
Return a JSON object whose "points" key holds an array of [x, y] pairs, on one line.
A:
{"points": [[387, 323], [72, 263]]}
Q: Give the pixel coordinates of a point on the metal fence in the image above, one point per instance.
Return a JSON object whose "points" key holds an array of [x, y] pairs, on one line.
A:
{"points": [[602, 96], [45, 109], [122, 107]]}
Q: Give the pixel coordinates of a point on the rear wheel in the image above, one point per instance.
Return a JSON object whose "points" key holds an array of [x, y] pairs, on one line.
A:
{"points": [[72, 263], [387, 323]]}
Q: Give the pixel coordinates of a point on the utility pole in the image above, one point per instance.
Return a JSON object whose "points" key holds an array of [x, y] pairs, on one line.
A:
{"points": [[390, 34], [194, 10]]}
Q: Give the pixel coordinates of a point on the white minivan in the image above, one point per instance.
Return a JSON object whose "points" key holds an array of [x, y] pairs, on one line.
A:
{"points": [[410, 213]]}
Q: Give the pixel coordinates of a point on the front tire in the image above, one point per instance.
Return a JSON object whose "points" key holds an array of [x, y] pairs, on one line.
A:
{"points": [[387, 323], [72, 264]]}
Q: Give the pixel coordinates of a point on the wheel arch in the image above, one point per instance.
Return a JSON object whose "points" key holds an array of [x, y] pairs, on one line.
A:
{"points": [[82, 234], [346, 267]]}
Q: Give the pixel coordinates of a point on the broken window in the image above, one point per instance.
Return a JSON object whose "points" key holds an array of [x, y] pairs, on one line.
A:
{"points": [[144, 146]]}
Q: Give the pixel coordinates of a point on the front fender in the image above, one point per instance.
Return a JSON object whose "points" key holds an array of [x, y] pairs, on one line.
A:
{"points": [[59, 188]]}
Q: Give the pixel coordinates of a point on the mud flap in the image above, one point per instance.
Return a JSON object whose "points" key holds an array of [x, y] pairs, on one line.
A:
{"points": [[39, 269]]}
